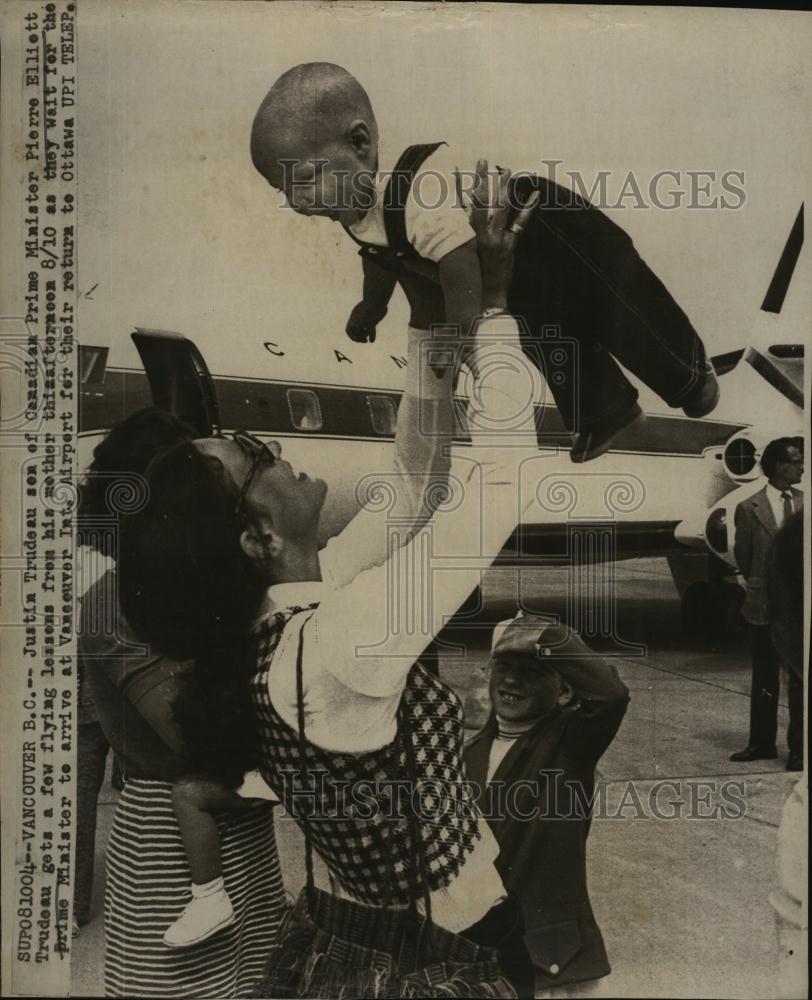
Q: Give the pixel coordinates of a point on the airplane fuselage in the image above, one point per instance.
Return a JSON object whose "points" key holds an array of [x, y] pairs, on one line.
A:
{"points": [[344, 434]]}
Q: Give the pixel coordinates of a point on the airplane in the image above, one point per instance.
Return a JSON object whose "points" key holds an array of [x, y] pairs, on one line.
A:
{"points": [[620, 506]]}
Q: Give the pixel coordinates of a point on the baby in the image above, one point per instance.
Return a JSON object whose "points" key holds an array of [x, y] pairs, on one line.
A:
{"points": [[195, 800], [315, 138]]}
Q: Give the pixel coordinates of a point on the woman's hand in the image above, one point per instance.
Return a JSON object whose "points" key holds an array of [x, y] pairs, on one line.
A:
{"points": [[488, 215]]}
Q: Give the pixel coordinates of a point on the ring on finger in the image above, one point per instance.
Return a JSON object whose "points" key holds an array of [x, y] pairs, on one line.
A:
{"points": [[515, 227]]}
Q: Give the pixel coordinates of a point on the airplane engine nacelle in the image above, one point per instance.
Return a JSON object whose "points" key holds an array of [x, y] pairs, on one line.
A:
{"points": [[714, 528], [741, 455], [719, 531], [710, 529]]}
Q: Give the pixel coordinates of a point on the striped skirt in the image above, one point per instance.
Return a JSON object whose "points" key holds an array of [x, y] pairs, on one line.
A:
{"points": [[148, 884]]}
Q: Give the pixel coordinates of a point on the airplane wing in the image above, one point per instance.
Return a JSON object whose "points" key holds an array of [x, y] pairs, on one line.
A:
{"points": [[776, 350]]}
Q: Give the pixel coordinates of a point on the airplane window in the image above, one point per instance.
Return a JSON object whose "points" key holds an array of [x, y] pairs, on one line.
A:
{"points": [[384, 415], [305, 411]]}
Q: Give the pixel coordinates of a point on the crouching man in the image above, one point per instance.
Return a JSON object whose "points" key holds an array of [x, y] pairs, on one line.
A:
{"points": [[556, 708]]}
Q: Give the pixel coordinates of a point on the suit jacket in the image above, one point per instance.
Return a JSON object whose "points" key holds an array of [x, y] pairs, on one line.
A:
{"points": [[785, 591], [549, 774], [756, 528]]}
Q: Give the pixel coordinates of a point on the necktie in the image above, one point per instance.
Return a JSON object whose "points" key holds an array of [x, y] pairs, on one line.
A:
{"points": [[787, 498]]}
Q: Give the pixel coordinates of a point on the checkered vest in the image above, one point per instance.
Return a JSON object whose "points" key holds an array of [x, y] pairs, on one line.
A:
{"points": [[348, 803]]}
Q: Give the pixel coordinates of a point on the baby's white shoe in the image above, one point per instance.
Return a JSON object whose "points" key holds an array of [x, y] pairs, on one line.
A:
{"points": [[209, 912]]}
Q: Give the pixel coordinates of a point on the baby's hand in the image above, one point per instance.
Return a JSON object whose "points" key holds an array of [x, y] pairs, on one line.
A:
{"points": [[362, 322]]}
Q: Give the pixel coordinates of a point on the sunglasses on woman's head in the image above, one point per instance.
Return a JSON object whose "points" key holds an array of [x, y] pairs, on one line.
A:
{"points": [[259, 453]]}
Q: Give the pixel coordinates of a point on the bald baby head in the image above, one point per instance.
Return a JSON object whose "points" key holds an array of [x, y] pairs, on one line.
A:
{"points": [[314, 112]]}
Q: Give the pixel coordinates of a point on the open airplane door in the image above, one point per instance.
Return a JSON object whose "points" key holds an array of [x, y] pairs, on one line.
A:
{"points": [[179, 379]]}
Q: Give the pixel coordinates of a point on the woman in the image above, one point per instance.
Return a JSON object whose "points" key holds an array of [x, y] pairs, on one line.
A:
{"points": [[133, 693], [331, 649]]}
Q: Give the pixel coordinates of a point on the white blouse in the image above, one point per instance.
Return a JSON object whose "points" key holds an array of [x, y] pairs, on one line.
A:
{"points": [[387, 590]]}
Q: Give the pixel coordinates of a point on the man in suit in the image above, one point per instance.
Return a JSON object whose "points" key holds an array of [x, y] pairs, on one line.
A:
{"points": [[556, 708], [785, 585], [758, 519]]}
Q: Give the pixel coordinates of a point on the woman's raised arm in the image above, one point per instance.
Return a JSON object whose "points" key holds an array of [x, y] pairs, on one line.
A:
{"points": [[397, 608]]}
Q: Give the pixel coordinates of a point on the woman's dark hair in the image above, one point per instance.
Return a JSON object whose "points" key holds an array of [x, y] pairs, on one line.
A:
{"points": [[188, 589], [119, 461]]}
